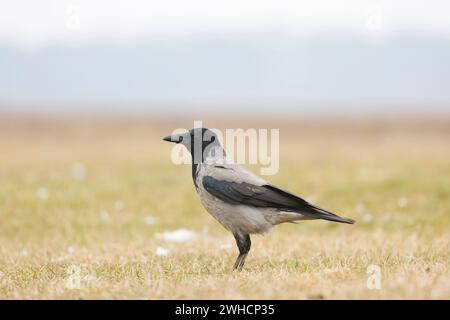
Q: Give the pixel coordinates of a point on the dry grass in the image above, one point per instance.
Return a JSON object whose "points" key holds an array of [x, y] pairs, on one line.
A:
{"points": [[393, 178]]}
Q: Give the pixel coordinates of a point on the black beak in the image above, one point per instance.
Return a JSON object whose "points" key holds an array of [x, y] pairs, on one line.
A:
{"points": [[177, 138], [168, 138]]}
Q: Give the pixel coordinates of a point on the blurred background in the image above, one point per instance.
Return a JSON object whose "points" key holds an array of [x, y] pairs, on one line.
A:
{"points": [[174, 57], [359, 89]]}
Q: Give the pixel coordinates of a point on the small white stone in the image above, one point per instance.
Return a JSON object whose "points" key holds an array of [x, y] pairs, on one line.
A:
{"points": [[89, 278], [180, 235], [104, 215], [149, 220], [70, 249], [360, 208], [402, 202], [367, 218], [24, 252], [118, 205], [225, 246], [78, 171], [409, 257], [436, 293], [42, 193], [162, 252]]}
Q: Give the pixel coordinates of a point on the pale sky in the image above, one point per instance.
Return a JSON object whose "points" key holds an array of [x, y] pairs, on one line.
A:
{"points": [[70, 53], [31, 22]]}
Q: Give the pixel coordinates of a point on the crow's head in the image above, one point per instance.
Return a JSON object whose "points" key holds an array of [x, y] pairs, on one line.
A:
{"points": [[199, 141]]}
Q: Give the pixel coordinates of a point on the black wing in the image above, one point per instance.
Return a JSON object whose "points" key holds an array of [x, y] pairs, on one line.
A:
{"points": [[265, 196]]}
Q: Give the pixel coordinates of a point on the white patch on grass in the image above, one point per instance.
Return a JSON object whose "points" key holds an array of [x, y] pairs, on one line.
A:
{"points": [[78, 171], [149, 220], [360, 208], [89, 278], [162, 252], [402, 202], [225, 246], [374, 279], [73, 280], [42, 193], [118, 205], [337, 270], [104, 215], [179, 235], [367, 218]]}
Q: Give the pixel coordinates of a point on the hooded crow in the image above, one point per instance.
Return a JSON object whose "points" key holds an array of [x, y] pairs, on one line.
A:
{"points": [[241, 201]]}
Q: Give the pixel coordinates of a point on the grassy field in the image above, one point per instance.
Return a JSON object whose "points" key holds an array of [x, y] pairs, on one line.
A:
{"points": [[83, 204]]}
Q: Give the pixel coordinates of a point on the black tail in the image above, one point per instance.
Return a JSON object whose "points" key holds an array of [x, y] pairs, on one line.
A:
{"points": [[336, 218], [319, 213], [286, 201]]}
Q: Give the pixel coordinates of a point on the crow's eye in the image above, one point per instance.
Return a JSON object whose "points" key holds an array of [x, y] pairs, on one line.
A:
{"points": [[180, 140], [213, 138]]}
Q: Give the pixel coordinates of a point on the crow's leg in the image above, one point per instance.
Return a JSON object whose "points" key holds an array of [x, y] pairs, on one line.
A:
{"points": [[243, 242]]}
